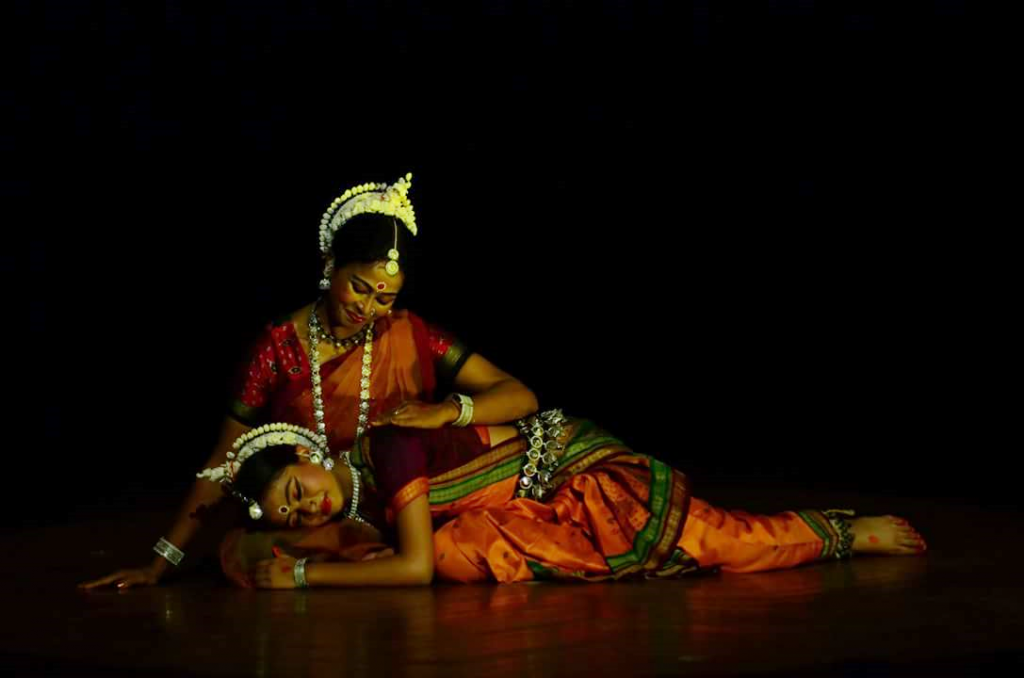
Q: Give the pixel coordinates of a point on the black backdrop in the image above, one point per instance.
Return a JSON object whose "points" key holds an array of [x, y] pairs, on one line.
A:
{"points": [[732, 236]]}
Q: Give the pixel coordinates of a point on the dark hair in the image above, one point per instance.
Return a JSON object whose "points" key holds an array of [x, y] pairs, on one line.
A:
{"points": [[367, 237], [263, 468]]}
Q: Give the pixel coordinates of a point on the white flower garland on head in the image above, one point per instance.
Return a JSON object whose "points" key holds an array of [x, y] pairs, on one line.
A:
{"points": [[261, 438], [391, 200]]}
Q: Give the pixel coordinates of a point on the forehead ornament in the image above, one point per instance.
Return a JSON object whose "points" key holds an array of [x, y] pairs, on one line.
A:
{"points": [[390, 200]]}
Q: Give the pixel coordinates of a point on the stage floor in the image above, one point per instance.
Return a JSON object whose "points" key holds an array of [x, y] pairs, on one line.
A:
{"points": [[957, 611]]}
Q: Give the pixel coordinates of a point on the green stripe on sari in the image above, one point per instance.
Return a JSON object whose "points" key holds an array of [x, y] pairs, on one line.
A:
{"points": [[660, 488], [358, 460], [823, 528], [455, 491]]}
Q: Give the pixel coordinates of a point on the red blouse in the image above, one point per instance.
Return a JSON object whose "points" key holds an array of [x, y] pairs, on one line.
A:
{"points": [[278, 368]]}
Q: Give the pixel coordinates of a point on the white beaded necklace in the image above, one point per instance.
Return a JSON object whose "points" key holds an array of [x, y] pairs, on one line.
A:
{"points": [[316, 334]]}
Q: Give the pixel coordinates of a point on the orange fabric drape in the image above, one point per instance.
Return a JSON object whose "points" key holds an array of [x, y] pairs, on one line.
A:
{"points": [[739, 541], [576, 530], [396, 375]]}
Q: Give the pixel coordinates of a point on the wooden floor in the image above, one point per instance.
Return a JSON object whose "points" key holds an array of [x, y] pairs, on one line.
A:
{"points": [[957, 611]]}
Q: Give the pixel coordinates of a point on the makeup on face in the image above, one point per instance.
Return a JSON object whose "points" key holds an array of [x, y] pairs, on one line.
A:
{"points": [[308, 495], [361, 292]]}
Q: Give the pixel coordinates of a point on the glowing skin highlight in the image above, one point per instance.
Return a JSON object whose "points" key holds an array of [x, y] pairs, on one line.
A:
{"points": [[306, 495], [359, 293]]}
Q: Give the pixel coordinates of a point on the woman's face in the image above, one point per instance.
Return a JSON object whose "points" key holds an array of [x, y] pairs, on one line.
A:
{"points": [[303, 495], [361, 292]]}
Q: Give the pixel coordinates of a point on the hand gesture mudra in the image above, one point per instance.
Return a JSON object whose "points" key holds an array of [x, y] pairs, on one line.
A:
{"points": [[417, 414]]}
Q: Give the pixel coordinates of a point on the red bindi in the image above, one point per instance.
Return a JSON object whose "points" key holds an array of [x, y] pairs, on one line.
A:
{"points": [[381, 287], [873, 539]]}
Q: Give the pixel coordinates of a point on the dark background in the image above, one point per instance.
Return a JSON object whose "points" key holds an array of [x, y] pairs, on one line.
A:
{"points": [[745, 240]]}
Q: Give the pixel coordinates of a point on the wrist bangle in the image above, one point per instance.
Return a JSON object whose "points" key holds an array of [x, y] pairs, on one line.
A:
{"points": [[299, 572], [465, 404], [169, 551]]}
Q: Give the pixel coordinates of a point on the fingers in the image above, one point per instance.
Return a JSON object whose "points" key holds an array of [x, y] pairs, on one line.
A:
{"points": [[109, 579], [383, 419], [392, 415], [260, 577], [128, 582], [261, 573], [385, 553], [415, 415]]}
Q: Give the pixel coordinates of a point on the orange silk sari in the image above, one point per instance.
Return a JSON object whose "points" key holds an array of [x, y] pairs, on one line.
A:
{"points": [[612, 513]]}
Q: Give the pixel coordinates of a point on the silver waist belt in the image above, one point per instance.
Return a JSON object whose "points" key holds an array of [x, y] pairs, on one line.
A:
{"points": [[543, 432]]}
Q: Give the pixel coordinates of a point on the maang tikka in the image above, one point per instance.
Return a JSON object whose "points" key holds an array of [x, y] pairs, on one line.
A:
{"points": [[391, 200]]}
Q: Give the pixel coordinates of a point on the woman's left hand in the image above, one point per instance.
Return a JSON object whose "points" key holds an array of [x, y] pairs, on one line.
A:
{"points": [[416, 414], [275, 573]]}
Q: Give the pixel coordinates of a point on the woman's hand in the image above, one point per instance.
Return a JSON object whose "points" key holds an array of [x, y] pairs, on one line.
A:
{"points": [[275, 573], [125, 579], [416, 414], [383, 553]]}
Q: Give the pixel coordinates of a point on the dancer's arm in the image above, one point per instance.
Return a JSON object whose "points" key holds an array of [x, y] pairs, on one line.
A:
{"points": [[413, 565], [498, 397], [204, 495]]}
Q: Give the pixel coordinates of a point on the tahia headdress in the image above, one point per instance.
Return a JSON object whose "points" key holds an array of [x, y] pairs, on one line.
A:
{"points": [[258, 439], [391, 200]]}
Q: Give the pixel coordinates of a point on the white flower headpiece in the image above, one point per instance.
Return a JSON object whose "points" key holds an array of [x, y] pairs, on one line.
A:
{"points": [[391, 200], [261, 438]]}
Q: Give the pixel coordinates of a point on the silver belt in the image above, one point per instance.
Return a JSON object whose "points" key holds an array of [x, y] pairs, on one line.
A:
{"points": [[543, 432]]}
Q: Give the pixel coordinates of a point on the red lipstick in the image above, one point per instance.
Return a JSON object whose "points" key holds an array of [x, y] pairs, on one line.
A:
{"points": [[325, 506]]}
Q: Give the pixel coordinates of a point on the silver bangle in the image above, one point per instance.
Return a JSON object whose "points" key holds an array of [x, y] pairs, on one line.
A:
{"points": [[300, 574], [465, 404], [169, 551]]}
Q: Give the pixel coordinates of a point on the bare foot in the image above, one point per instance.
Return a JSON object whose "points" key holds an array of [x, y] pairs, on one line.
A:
{"points": [[886, 535]]}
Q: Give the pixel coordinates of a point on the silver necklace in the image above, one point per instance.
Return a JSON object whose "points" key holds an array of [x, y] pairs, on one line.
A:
{"points": [[345, 342], [316, 333]]}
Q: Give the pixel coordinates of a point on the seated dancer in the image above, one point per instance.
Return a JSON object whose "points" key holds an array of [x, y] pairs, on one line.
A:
{"points": [[553, 498], [370, 359]]}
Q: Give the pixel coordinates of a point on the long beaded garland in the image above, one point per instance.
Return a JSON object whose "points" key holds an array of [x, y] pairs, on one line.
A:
{"points": [[316, 334]]}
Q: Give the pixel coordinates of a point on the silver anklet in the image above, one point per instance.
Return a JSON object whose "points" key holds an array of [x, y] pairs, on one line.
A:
{"points": [[838, 518]]}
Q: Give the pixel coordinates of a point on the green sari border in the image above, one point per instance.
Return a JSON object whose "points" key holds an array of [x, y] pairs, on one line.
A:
{"points": [[822, 527], [643, 543]]}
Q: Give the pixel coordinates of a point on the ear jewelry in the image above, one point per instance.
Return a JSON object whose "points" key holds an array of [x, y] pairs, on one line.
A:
{"points": [[391, 200]]}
